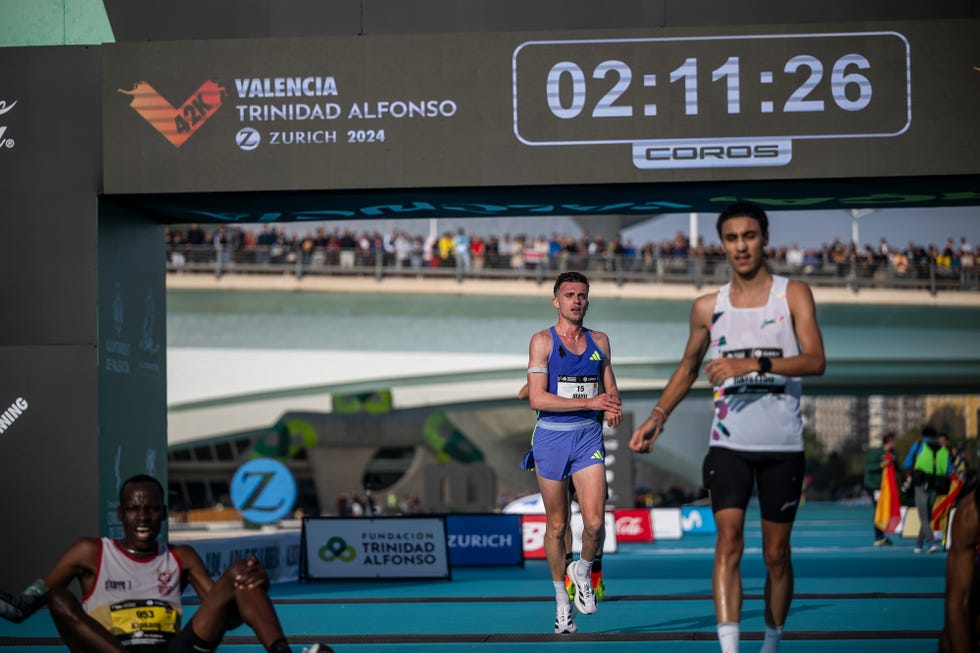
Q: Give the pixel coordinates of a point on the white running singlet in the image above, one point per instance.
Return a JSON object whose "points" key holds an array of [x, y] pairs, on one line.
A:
{"points": [[137, 600], [756, 412]]}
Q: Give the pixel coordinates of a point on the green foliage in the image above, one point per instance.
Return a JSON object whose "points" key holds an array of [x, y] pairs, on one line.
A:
{"points": [[832, 475], [905, 442], [812, 447], [950, 420]]}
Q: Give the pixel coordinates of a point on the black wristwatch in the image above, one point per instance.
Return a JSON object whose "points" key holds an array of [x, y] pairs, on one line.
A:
{"points": [[765, 365]]}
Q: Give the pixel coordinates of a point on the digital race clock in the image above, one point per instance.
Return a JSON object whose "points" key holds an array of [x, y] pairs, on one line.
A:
{"points": [[712, 101]]}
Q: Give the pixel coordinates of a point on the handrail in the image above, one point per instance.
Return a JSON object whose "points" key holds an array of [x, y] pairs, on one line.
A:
{"points": [[620, 269]]}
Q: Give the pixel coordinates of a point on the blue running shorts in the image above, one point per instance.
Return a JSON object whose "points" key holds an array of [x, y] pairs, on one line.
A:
{"points": [[560, 448]]}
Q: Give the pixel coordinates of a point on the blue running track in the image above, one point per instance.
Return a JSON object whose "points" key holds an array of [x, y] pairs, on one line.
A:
{"points": [[850, 597]]}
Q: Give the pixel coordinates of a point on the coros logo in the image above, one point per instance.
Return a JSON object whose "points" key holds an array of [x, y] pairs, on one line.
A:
{"points": [[176, 124], [711, 153], [337, 548]]}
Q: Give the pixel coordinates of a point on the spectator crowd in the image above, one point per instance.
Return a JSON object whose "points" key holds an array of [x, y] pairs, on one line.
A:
{"points": [[341, 247]]}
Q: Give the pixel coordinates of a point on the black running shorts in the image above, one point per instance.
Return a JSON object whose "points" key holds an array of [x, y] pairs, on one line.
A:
{"points": [[729, 476]]}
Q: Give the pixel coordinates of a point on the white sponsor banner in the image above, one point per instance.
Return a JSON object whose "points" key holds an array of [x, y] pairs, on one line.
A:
{"points": [[383, 547], [279, 552], [666, 523], [609, 545]]}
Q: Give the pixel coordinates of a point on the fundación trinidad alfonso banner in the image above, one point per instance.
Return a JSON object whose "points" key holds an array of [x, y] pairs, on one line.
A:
{"points": [[369, 547]]}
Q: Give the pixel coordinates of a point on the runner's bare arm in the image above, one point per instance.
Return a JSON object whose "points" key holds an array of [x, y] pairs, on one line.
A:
{"points": [[811, 360], [683, 377], [194, 571], [612, 417], [79, 561], [960, 569]]}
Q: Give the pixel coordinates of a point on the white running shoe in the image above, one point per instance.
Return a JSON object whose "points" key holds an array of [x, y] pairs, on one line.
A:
{"points": [[584, 595], [318, 648], [564, 617]]}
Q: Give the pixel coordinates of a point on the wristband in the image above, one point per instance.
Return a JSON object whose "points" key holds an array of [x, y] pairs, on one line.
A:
{"points": [[663, 413]]}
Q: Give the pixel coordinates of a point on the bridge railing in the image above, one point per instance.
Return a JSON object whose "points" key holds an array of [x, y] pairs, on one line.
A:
{"points": [[620, 269]]}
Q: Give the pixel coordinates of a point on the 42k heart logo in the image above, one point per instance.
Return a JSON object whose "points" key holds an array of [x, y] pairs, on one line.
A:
{"points": [[176, 125]]}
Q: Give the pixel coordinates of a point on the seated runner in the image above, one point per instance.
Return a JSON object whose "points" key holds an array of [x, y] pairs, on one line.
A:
{"points": [[131, 590]]}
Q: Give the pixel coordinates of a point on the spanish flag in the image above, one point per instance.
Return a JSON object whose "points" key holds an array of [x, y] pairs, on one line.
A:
{"points": [[940, 512], [888, 513]]}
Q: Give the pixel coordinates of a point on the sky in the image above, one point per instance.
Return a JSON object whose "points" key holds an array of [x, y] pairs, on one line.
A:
{"points": [[813, 228], [924, 226]]}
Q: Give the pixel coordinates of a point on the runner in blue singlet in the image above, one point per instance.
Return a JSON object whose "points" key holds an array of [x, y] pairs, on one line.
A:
{"points": [[572, 387]]}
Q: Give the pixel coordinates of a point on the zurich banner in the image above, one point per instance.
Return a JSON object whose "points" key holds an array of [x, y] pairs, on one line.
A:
{"points": [[490, 539]]}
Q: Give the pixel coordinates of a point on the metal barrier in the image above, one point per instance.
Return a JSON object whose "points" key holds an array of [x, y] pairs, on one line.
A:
{"points": [[619, 269]]}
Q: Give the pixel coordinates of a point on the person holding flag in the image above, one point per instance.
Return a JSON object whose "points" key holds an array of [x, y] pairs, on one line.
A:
{"points": [[888, 509], [880, 482], [957, 479]]}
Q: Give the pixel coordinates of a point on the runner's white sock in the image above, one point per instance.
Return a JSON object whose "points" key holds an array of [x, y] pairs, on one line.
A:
{"points": [[728, 636], [583, 568], [560, 594], [771, 643]]}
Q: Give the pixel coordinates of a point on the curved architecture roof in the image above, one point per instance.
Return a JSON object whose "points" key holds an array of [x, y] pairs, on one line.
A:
{"points": [[246, 370]]}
